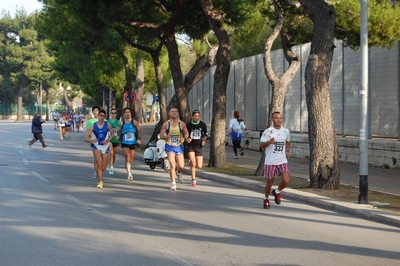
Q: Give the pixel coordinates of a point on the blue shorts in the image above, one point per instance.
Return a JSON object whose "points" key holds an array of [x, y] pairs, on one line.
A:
{"points": [[236, 136], [178, 150], [270, 171]]}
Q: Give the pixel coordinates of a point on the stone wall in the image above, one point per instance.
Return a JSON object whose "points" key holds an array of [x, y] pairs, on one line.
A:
{"points": [[383, 153]]}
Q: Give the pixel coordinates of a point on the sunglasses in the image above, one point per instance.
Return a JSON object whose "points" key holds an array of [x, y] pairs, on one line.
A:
{"points": [[102, 115], [113, 113]]}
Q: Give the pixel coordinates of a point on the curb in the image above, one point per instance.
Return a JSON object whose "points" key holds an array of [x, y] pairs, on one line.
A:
{"points": [[364, 211]]}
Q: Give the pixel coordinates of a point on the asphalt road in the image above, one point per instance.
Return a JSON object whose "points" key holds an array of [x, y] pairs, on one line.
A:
{"points": [[51, 213]]}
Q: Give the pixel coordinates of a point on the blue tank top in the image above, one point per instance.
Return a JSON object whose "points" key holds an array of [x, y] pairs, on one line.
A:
{"points": [[128, 133], [100, 133]]}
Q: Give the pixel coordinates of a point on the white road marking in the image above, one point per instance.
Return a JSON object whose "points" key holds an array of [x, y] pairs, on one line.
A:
{"points": [[85, 206], [39, 176], [175, 258]]}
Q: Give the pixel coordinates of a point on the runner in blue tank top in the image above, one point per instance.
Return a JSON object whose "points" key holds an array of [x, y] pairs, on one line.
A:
{"points": [[100, 143], [129, 135]]}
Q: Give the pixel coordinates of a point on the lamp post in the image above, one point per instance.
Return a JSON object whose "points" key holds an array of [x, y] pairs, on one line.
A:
{"points": [[364, 129]]}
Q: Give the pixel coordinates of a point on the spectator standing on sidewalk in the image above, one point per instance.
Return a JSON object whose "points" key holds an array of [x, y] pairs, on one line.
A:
{"points": [[276, 142], [129, 135], [173, 132], [197, 131], [236, 124], [114, 141], [37, 130], [100, 144]]}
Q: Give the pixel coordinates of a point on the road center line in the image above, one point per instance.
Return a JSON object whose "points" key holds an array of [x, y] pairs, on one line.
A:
{"points": [[39, 176], [85, 206]]}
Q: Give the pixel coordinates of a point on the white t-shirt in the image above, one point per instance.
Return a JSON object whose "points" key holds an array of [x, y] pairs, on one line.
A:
{"points": [[276, 153], [236, 126]]}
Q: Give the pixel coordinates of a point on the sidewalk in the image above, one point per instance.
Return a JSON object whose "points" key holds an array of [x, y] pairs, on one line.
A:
{"points": [[380, 180]]}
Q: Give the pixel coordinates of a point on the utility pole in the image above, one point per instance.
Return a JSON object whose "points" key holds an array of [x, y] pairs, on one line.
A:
{"points": [[364, 127]]}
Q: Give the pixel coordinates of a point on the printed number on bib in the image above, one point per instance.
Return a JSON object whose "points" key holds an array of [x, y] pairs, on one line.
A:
{"points": [[174, 139], [129, 136], [195, 134], [279, 147]]}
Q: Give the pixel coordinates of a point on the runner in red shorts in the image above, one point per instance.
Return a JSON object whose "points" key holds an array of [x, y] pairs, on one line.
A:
{"points": [[276, 141]]}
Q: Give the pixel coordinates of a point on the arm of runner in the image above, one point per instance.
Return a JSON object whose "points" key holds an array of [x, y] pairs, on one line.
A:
{"points": [[119, 130], [110, 129], [89, 134], [139, 132], [287, 149], [185, 133], [163, 131]]}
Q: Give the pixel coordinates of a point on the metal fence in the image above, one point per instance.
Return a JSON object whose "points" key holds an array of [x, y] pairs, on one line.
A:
{"points": [[7, 109], [249, 91]]}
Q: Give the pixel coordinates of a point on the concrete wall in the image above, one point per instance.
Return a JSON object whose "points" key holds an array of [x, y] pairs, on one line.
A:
{"points": [[381, 152]]}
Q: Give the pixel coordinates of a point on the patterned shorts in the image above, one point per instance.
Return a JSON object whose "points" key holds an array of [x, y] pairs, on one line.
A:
{"points": [[270, 171]]}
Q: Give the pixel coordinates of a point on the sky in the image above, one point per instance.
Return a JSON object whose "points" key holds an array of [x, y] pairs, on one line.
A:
{"points": [[29, 5]]}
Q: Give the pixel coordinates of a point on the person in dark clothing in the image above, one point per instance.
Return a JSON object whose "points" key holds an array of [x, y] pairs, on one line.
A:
{"points": [[37, 131], [197, 139]]}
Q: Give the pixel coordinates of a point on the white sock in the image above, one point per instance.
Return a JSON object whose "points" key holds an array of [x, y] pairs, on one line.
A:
{"points": [[277, 191], [111, 167]]}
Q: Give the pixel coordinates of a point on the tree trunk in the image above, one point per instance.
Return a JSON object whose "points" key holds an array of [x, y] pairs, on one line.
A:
{"points": [[279, 84], [139, 86], [199, 70], [67, 101], [47, 103], [128, 84], [177, 77], [324, 157], [160, 88], [218, 124]]}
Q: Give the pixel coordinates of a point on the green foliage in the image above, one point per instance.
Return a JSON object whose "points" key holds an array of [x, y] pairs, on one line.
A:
{"points": [[383, 21], [24, 61]]}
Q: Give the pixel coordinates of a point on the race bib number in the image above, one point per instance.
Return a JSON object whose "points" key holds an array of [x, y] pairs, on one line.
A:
{"points": [[174, 140], [279, 147], [195, 134], [129, 136], [115, 132]]}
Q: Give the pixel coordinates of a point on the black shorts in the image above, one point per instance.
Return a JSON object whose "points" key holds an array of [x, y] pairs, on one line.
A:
{"points": [[198, 151], [115, 144], [130, 146]]}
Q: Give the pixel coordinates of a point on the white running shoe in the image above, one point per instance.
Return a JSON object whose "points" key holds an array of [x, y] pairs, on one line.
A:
{"points": [[94, 176], [111, 171], [173, 186], [130, 177]]}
